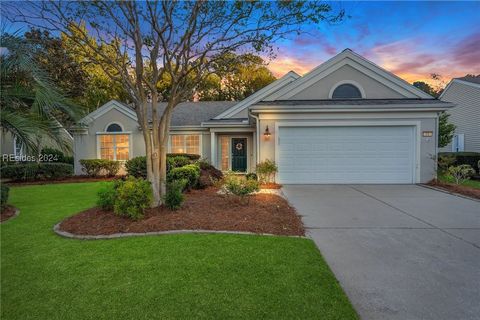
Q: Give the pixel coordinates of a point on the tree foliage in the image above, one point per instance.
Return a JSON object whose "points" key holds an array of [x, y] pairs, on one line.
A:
{"points": [[445, 130], [139, 44]]}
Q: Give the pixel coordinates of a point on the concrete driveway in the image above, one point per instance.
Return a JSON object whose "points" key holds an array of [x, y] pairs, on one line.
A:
{"points": [[399, 251]]}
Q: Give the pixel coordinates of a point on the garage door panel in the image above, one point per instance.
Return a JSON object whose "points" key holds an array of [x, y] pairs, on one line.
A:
{"points": [[346, 154]]}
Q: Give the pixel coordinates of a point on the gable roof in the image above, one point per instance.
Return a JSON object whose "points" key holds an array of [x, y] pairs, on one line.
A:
{"points": [[348, 57], [259, 95], [470, 79], [185, 114]]}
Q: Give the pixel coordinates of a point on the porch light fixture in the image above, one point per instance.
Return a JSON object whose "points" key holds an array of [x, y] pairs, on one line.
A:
{"points": [[267, 133]]}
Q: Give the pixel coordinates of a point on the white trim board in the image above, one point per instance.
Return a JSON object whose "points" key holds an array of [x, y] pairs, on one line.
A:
{"points": [[112, 104], [356, 61]]}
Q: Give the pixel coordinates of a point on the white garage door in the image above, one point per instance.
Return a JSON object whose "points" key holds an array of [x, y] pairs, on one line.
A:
{"points": [[344, 155]]}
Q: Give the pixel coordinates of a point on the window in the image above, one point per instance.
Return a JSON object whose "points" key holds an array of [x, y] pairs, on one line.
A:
{"points": [[225, 153], [346, 91], [182, 143], [17, 147], [114, 146]]}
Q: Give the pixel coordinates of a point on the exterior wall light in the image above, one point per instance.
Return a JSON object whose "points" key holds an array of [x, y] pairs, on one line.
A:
{"points": [[267, 133]]}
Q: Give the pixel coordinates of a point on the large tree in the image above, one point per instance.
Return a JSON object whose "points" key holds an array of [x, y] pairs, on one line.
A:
{"points": [[178, 40]]}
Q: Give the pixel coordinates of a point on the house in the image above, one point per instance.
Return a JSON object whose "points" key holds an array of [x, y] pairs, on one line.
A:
{"points": [[465, 93], [346, 121]]}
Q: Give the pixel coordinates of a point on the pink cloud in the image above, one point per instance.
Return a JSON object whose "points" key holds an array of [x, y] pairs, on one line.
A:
{"points": [[467, 52]]}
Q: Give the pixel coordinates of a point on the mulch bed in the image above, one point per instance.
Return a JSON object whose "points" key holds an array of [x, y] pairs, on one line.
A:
{"points": [[7, 213], [72, 179], [202, 210], [270, 186], [467, 191]]}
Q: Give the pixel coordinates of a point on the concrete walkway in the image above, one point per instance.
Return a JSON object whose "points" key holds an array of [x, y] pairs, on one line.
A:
{"points": [[399, 251]]}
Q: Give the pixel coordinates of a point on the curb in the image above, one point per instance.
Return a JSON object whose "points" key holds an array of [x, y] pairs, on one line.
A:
{"points": [[449, 192], [66, 234], [17, 212]]}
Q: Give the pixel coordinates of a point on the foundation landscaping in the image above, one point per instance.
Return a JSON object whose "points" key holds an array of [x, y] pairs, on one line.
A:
{"points": [[220, 246]]}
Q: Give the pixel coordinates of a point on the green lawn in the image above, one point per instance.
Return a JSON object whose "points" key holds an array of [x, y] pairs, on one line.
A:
{"points": [[469, 183], [44, 276]]}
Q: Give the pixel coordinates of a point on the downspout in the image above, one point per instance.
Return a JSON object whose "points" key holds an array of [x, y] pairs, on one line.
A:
{"points": [[257, 136], [436, 143]]}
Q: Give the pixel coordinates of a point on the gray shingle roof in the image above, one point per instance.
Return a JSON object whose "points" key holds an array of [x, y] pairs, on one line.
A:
{"points": [[470, 79], [194, 113]]}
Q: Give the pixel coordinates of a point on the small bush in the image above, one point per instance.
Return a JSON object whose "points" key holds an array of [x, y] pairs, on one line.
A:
{"points": [[251, 176], [239, 187], [177, 162], [266, 171], [107, 195], [4, 195], [208, 174], [461, 173], [55, 155], [137, 167], [132, 197], [190, 173], [470, 158], [191, 156], [97, 167], [37, 171], [203, 164], [174, 197], [445, 161]]}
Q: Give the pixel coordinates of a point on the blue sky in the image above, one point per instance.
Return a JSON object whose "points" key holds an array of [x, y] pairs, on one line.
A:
{"points": [[411, 39]]}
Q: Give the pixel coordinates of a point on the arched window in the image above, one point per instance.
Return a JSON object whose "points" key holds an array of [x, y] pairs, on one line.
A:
{"points": [[114, 127], [346, 91], [114, 143]]}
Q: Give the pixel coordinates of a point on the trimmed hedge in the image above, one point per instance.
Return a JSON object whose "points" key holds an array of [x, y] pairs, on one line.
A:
{"points": [[55, 155], [470, 158], [37, 171], [4, 197], [97, 167], [137, 166], [190, 173]]}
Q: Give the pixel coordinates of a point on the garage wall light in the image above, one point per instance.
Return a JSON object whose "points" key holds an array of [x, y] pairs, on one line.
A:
{"points": [[267, 133], [427, 134]]}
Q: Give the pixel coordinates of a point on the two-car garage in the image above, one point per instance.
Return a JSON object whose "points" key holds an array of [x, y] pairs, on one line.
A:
{"points": [[383, 154]]}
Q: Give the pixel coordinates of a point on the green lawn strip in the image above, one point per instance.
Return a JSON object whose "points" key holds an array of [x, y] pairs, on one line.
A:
{"points": [[468, 183], [45, 276]]}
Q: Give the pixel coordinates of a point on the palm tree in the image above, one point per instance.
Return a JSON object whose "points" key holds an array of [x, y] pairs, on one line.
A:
{"points": [[31, 105]]}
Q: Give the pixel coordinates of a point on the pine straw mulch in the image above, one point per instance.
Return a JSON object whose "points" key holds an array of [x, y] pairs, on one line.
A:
{"points": [[7, 213], [202, 210], [464, 190]]}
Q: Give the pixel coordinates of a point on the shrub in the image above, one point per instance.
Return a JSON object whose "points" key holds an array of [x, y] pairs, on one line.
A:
{"points": [[461, 173], [203, 164], [174, 197], [137, 167], [190, 173], [96, 167], [191, 156], [239, 187], [107, 195], [251, 176], [55, 155], [4, 196], [132, 197], [470, 158], [177, 162], [266, 171], [37, 171], [111, 168], [445, 161]]}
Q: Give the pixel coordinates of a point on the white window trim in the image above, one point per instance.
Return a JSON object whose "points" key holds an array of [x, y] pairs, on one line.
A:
{"points": [[130, 144], [352, 82], [200, 140]]}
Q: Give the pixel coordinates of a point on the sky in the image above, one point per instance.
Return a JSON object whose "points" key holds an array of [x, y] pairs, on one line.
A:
{"points": [[410, 39]]}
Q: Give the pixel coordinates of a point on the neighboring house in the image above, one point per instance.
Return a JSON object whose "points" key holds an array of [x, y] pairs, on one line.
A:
{"points": [[13, 149], [346, 121], [465, 93]]}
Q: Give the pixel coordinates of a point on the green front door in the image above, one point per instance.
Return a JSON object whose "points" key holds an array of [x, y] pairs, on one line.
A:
{"points": [[239, 154]]}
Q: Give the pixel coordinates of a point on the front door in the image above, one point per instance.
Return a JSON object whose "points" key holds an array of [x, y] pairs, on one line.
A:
{"points": [[239, 154]]}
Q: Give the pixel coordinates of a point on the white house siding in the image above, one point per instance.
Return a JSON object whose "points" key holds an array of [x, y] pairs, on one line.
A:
{"points": [[466, 114], [427, 121]]}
